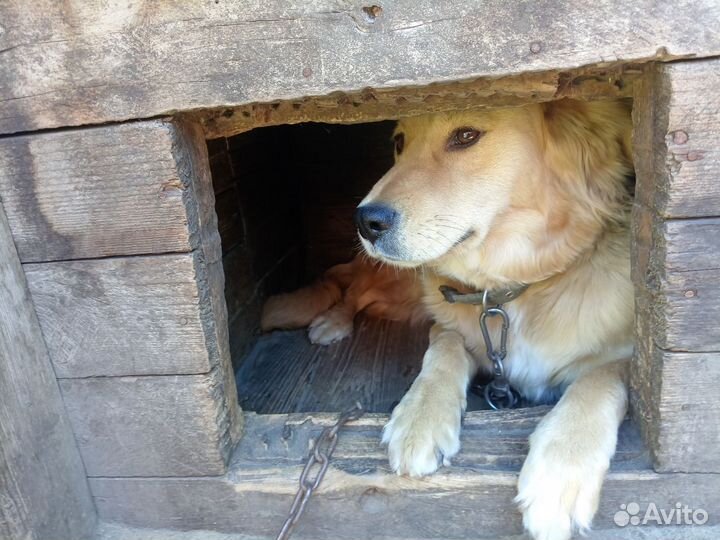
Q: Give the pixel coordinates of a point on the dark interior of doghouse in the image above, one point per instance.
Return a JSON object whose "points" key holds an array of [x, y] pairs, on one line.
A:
{"points": [[285, 198]]}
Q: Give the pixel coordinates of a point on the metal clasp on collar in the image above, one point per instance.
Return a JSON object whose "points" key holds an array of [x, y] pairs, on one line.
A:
{"points": [[498, 392]]}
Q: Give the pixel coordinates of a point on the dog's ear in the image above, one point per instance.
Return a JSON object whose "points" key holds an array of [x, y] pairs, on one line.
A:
{"points": [[589, 139]]}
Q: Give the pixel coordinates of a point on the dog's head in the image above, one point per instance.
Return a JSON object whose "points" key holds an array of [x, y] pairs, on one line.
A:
{"points": [[511, 193]]}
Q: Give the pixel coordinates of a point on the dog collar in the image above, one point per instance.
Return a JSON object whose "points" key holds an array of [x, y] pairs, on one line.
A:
{"points": [[491, 297], [498, 393]]}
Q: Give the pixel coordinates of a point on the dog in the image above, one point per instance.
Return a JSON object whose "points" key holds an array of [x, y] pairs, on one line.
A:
{"points": [[328, 307], [536, 196]]}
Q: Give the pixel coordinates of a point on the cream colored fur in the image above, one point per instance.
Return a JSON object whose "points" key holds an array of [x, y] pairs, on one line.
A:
{"points": [[539, 199]]}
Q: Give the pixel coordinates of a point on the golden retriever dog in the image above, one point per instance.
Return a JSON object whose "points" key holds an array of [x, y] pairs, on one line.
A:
{"points": [[488, 200]]}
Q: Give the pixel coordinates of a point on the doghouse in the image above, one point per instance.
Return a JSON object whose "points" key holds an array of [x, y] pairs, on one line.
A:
{"points": [[165, 166]]}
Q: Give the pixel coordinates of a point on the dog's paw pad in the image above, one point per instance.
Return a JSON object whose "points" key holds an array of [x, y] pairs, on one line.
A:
{"points": [[330, 327]]}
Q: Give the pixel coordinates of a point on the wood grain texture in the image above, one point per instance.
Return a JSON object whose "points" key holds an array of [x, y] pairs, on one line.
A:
{"points": [[191, 154], [674, 402], [676, 265], [372, 104], [109, 319], [689, 432], [678, 270], [285, 373], [90, 63], [43, 489], [95, 192], [151, 426], [675, 374], [677, 138], [471, 499], [122, 316]]}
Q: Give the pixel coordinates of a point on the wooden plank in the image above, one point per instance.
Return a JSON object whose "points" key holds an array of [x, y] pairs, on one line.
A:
{"points": [[676, 265], [689, 409], [675, 403], [43, 489], [677, 139], [151, 426], [375, 366], [191, 154], [677, 364], [122, 316], [116, 531], [97, 62], [107, 191], [678, 269], [94, 192], [255, 495], [373, 104], [164, 314]]}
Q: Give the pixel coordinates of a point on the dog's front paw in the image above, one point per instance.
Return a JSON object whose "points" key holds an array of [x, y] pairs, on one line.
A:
{"points": [[331, 326], [422, 432], [559, 488]]}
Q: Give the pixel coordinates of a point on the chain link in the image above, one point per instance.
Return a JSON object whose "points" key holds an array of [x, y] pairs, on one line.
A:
{"points": [[318, 461]]}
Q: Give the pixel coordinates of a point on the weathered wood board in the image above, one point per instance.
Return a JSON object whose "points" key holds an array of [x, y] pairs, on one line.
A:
{"points": [[677, 137], [689, 408], [153, 426], [89, 63], [114, 322], [375, 366], [97, 192], [471, 499], [127, 189], [43, 490], [676, 265], [122, 316], [373, 104]]}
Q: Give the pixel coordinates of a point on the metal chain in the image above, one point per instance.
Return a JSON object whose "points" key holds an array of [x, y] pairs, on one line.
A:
{"points": [[498, 392], [319, 459]]}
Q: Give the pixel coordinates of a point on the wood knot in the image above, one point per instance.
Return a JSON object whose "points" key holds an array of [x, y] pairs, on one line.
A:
{"points": [[694, 156], [535, 47], [679, 137], [690, 293], [372, 13], [374, 501], [307, 72]]}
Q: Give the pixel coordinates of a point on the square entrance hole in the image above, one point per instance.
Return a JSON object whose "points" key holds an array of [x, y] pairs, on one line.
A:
{"points": [[285, 197]]}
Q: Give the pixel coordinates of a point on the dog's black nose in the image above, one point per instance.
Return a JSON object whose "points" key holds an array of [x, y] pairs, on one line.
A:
{"points": [[374, 220]]}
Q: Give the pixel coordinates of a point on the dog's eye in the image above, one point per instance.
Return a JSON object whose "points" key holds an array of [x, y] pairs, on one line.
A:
{"points": [[399, 143], [464, 137]]}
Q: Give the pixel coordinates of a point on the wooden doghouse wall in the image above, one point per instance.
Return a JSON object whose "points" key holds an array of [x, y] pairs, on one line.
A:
{"points": [[111, 61], [676, 380], [43, 489], [115, 227]]}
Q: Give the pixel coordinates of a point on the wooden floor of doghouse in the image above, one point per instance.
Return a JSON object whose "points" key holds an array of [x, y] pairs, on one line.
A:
{"points": [[284, 373]]}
